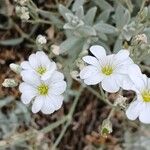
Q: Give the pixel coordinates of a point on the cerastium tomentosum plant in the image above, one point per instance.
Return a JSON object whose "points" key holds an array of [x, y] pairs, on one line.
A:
{"points": [[99, 43]]}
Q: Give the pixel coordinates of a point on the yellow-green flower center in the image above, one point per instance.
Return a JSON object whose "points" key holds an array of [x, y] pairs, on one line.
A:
{"points": [[146, 95], [41, 70], [43, 89], [107, 70]]}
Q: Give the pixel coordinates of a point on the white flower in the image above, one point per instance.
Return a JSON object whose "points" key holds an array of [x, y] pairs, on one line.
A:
{"points": [[110, 70], [141, 106], [40, 64], [46, 95], [41, 40]]}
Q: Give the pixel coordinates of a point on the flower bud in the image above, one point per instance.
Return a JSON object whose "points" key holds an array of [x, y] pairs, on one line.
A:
{"points": [[106, 128], [21, 2], [80, 63], [74, 74], [22, 12], [141, 38], [41, 40], [15, 68], [9, 83], [55, 49], [120, 101]]}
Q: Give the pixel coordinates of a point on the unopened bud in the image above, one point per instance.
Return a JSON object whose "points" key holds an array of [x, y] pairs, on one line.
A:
{"points": [[21, 2], [41, 40], [120, 101], [80, 63], [74, 74], [84, 52], [9, 83], [22, 12], [106, 128], [141, 38], [59, 65], [55, 49], [143, 13], [15, 68]]}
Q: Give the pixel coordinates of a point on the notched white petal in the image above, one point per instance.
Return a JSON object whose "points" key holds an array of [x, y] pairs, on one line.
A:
{"points": [[98, 51]]}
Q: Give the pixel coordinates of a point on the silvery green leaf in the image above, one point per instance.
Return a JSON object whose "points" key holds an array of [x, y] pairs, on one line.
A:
{"points": [[104, 5], [102, 36], [69, 43], [68, 26], [63, 11], [105, 28], [80, 12], [118, 44], [73, 22], [127, 35], [104, 15], [122, 16], [90, 16], [77, 4], [87, 31], [147, 32], [69, 17], [53, 18], [12, 42], [5, 101], [148, 12]]}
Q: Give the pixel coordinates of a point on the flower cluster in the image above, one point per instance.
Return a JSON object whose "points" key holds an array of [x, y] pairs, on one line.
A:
{"points": [[117, 71], [42, 83], [22, 12]]}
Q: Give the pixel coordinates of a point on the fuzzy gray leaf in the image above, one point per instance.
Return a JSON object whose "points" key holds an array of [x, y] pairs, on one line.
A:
{"points": [[87, 31], [63, 11], [122, 16], [77, 4], [69, 43], [105, 28], [12, 42], [90, 16], [104, 5]]}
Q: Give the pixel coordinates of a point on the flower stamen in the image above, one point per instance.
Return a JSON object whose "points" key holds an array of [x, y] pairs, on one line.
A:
{"points": [[41, 70], [146, 95], [107, 70], [43, 89]]}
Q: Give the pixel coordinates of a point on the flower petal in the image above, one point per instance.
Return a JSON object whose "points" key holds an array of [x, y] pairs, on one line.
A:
{"points": [[125, 82], [98, 51], [34, 62], [109, 84], [88, 71], [57, 101], [30, 77], [37, 104], [136, 76], [144, 114], [48, 106], [57, 88], [25, 65], [50, 71], [122, 55], [91, 60], [94, 79], [43, 58], [28, 92], [56, 76], [133, 110]]}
